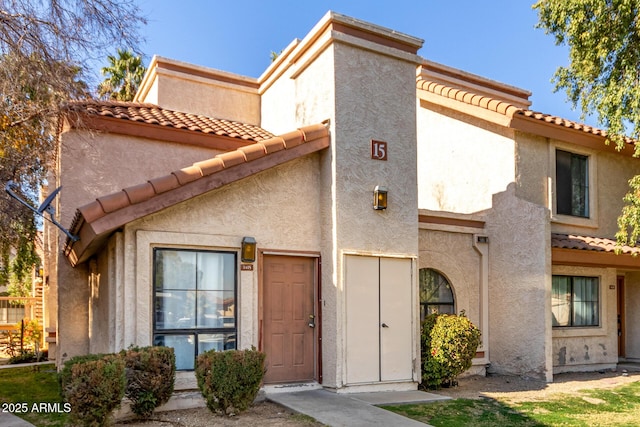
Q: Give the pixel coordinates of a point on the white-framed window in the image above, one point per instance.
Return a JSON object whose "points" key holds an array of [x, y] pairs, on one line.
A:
{"points": [[572, 184], [436, 293], [194, 297], [575, 301]]}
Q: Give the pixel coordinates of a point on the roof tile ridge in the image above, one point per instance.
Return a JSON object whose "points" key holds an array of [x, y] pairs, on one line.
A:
{"points": [[470, 98], [141, 192]]}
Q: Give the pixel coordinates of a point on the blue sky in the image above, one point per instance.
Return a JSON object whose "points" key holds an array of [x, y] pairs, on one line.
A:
{"points": [[493, 38]]}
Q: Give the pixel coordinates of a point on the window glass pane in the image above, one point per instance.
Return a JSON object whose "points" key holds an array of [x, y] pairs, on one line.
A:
{"points": [[216, 309], [175, 309], [183, 346], [563, 182], [585, 301], [175, 269], [194, 295], [572, 184], [579, 186], [561, 301], [434, 287], [218, 342], [440, 308], [575, 301]]}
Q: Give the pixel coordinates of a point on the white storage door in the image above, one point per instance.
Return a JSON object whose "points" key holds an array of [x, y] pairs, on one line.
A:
{"points": [[378, 319], [362, 322]]}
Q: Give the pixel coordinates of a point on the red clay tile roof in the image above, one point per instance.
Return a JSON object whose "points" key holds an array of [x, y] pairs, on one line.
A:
{"points": [[588, 243], [95, 221], [470, 98], [154, 115], [505, 108]]}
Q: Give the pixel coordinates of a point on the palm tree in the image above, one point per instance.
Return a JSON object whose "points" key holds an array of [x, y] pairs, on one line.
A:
{"points": [[124, 75]]}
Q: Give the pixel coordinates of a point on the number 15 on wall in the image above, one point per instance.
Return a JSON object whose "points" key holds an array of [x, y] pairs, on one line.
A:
{"points": [[378, 150]]}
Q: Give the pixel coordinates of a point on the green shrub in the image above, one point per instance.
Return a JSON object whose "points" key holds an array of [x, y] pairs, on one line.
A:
{"points": [[229, 380], [448, 345], [94, 386], [151, 374]]}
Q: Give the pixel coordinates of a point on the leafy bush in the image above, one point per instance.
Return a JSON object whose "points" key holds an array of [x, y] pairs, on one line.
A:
{"points": [[229, 380], [151, 374], [94, 386], [23, 343], [448, 344]]}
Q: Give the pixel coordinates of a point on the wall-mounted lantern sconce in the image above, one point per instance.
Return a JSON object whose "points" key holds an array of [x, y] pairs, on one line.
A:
{"points": [[379, 198], [248, 249]]}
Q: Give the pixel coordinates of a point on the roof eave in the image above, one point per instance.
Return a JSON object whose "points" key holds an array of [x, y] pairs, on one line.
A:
{"points": [[561, 132], [591, 258]]}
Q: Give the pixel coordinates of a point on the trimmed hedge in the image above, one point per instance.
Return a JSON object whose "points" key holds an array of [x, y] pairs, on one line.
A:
{"points": [[94, 386], [229, 380], [448, 345], [151, 374]]}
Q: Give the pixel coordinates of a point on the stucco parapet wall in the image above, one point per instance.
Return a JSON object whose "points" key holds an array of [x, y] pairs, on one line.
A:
{"points": [[165, 66], [94, 222], [341, 28]]}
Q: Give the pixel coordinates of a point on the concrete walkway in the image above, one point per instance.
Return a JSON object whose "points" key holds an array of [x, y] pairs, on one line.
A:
{"points": [[353, 409], [10, 420]]}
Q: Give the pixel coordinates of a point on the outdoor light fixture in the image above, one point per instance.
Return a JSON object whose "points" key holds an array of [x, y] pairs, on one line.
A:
{"points": [[379, 198], [248, 249]]}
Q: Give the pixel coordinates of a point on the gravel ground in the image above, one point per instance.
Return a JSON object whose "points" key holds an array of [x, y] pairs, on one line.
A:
{"points": [[505, 388]]}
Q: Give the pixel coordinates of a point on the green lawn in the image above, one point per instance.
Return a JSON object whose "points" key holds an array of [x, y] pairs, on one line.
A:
{"points": [[21, 388], [615, 407]]}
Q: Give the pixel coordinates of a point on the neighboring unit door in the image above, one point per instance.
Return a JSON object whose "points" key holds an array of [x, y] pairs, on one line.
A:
{"points": [[621, 314], [379, 345], [289, 318]]}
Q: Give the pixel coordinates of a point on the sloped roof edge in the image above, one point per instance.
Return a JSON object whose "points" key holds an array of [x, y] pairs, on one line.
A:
{"points": [[573, 249], [95, 221], [150, 114], [505, 113]]}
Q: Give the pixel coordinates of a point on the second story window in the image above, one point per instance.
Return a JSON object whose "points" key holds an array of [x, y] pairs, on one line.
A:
{"points": [[572, 184]]}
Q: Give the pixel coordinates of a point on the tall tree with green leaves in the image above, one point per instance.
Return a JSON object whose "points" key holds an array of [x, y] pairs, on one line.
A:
{"points": [[603, 76], [124, 74], [46, 49]]}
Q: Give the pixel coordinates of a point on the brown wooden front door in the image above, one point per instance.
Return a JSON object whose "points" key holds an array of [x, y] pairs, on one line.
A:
{"points": [[289, 318]]}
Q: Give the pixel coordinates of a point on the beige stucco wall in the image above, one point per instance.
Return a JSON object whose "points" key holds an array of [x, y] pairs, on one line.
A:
{"points": [[463, 271], [573, 348], [609, 175], [93, 165], [519, 286], [375, 98], [207, 92], [533, 168], [462, 161]]}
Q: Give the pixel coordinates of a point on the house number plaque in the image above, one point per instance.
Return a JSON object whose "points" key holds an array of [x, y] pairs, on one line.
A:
{"points": [[246, 267], [378, 150]]}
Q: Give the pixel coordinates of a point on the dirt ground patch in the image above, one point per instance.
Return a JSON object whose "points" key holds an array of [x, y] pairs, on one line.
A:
{"points": [[518, 389], [263, 413], [505, 388]]}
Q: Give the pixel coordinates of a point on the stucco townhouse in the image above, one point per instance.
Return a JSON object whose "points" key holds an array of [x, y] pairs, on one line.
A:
{"points": [[319, 211]]}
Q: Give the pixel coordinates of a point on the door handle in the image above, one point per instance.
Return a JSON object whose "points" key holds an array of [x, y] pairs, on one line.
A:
{"points": [[312, 321], [384, 325]]}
